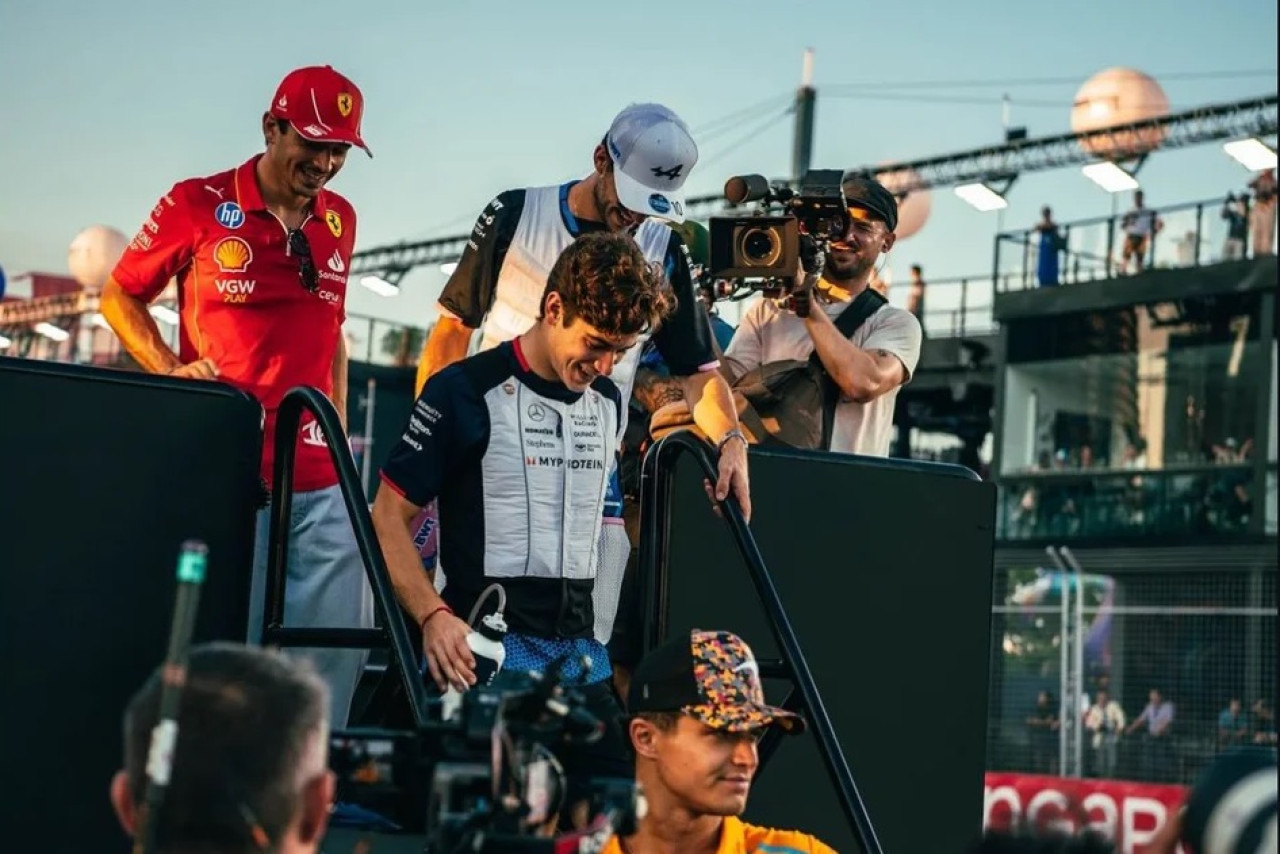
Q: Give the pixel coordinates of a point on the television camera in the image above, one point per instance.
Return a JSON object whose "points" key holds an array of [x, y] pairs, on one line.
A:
{"points": [[759, 251], [486, 779]]}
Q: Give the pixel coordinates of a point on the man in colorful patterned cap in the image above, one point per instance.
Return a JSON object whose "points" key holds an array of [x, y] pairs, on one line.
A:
{"points": [[868, 366], [699, 710], [261, 254]]}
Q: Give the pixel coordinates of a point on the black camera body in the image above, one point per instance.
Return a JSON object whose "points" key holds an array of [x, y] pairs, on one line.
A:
{"points": [[486, 780], [764, 246]]}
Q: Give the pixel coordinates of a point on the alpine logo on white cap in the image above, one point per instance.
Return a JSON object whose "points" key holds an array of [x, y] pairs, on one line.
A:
{"points": [[653, 154]]}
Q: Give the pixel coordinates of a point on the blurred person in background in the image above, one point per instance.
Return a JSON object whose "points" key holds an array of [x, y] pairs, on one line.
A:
{"points": [[1234, 211], [1105, 720], [250, 766], [1049, 246], [915, 296], [1262, 216], [1140, 226]]}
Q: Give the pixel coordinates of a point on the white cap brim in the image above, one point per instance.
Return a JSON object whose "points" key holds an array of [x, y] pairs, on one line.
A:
{"points": [[646, 200]]}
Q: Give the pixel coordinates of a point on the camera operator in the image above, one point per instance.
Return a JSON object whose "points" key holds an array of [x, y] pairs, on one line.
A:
{"points": [[518, 444], [250, 769], [869, 367], [699, 710]]}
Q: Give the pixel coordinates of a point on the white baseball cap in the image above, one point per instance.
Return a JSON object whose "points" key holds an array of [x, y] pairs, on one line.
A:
{"points": [[653, 154]]}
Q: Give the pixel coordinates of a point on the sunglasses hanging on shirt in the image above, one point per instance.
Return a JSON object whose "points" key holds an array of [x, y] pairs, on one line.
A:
{"points": [[300, 248]]}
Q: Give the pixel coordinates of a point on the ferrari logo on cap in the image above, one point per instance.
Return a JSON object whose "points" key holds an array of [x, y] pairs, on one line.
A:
{"points": [[334, 222], [344, 103]]}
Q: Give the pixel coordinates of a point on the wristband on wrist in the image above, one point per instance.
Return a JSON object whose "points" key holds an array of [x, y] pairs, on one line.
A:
{"points": [[735, 433], [423, 624]]}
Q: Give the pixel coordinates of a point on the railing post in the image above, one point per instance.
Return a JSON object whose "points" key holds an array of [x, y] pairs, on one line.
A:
{"points": [[395, 629], [1195, 258], [1068, 258], [1111, 246], [1026, 262]]}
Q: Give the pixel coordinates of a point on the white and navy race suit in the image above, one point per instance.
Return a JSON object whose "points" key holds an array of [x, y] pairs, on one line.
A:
{"points": [[519, 466], [498, 284], [498, 287]]}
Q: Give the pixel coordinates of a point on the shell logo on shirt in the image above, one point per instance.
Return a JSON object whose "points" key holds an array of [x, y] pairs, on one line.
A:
{"points": [[233, 255], [334, 221]]}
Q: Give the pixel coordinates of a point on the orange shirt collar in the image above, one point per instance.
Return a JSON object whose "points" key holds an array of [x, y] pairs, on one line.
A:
{"points": [[733, 837]]}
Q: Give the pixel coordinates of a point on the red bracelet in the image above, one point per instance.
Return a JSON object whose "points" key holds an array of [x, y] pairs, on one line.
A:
{"points": [[423, 625]]}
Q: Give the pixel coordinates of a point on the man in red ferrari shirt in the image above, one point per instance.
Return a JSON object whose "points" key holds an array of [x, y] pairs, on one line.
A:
{"points": [[261, 254]]}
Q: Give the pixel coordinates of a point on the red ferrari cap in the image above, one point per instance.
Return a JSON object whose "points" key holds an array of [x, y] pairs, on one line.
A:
{"points": [[322, 105]]}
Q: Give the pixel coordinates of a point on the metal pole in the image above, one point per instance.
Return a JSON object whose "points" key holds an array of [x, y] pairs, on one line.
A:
{"points": [[1078, 658], [366, 457], [1064, 659], [806, 101]]}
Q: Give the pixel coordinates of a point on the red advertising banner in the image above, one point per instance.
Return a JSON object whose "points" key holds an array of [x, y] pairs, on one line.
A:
{"points": [[1130, 814]]}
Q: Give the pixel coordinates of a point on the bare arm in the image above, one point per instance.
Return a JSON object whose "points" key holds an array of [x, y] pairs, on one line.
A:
{"points": [[711, 403], [713, 410], [339, 394], [444, 635], [446, 344], [137, 330], [861, 375], [392, 515]]}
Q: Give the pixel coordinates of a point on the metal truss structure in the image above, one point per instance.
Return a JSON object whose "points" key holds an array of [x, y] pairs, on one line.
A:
{"points": [[1250, 117]]}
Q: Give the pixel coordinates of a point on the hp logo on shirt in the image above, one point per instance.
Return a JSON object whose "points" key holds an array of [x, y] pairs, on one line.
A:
{"points": [[229, 215]]}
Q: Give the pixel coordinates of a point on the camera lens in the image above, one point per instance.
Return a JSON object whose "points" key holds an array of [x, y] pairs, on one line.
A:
{"points": [[760, 247]]}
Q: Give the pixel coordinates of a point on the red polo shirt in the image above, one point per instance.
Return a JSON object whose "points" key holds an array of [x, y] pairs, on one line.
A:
{"points": [[241, 297]]}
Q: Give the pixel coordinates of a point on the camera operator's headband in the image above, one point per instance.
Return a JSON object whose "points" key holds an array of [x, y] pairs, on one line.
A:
{"points": [[653, 154], [870, 195], [711, 676]]}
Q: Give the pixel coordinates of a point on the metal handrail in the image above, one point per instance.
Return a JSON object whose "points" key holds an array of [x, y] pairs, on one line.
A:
{"points": [[288, 419], [655, 501], [1072, 268]]}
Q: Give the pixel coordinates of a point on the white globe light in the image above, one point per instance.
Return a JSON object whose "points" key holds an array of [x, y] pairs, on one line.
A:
{"points": [[913, 211], [93, 255], [1119, 96]]}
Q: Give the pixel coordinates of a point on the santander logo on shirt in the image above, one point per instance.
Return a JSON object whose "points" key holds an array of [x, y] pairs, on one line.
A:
{"points": [[334, 270]]}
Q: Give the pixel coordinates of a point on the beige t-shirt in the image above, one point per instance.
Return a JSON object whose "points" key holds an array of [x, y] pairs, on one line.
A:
{"points": [[769, 334]]}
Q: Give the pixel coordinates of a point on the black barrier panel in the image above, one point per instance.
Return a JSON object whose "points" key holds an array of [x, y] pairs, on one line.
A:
{"points": [[102, 475], [885, 570], [383, 395]]}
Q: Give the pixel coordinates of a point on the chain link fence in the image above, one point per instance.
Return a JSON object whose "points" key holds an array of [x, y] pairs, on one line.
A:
{"points": [[1135, 674]]}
